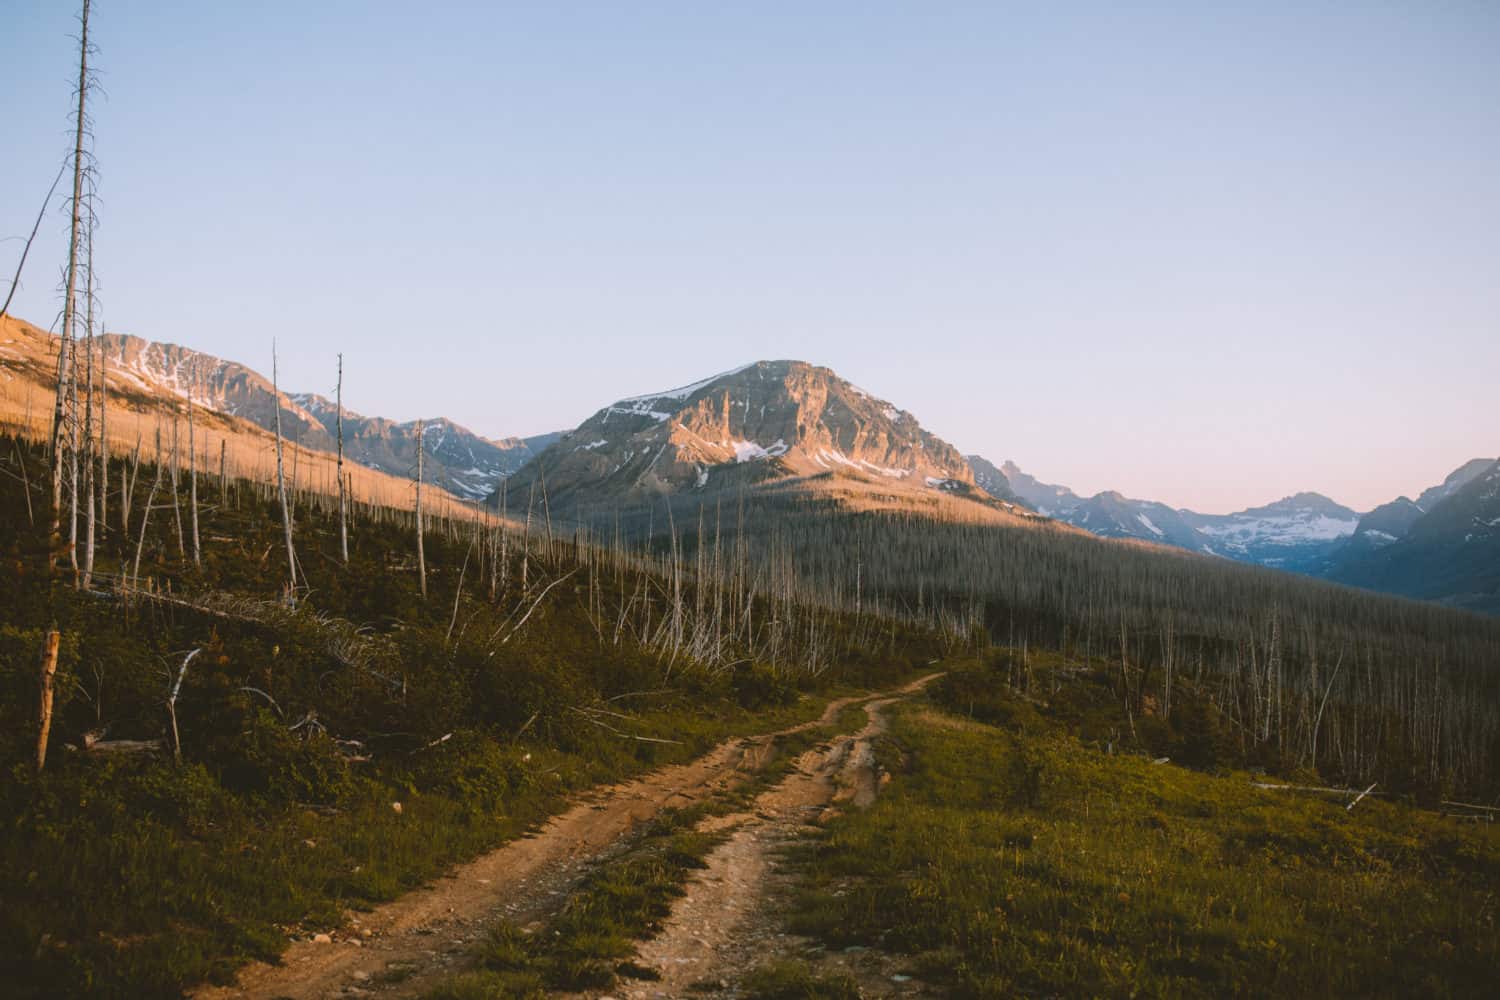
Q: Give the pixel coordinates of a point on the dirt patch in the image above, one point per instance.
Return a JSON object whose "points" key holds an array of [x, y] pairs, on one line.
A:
{"points": [[725, 926]]}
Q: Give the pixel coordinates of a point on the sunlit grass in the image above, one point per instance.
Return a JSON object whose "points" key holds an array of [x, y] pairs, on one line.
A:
{"points": [[1022, 862]]}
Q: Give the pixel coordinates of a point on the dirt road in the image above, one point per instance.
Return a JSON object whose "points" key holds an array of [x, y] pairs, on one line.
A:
{"points": [[726, 925], [405, 945]]}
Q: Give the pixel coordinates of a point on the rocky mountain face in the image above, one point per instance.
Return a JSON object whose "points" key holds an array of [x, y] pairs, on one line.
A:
{"points": [[211, 383], [457, 459], [1455, 481], [1449, 552], [765, 422], [993, 481], [148, 390], [1393, 521], [1385, 524], [461, 461], [1112, 515], [1044, 498]]}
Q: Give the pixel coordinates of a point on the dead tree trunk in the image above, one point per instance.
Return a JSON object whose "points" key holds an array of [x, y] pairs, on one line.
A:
{"points": [[88, 437], [49, 669], [130, 471], [343, 493], [88, 414], [140, 543], [73, 461], [103, 438], [172, 703], [286, 510], [421, 557], [59, 415], [193, 487]]}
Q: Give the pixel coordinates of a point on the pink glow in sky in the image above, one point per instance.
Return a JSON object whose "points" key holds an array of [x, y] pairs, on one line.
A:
{"points": [[1199, 255]]}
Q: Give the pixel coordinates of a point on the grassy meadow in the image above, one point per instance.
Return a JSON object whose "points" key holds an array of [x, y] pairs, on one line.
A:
{"points": [[1013, 858]]}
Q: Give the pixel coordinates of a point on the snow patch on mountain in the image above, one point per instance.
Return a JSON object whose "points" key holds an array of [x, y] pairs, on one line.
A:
{"points": [[1287, 530], [681, 392]]}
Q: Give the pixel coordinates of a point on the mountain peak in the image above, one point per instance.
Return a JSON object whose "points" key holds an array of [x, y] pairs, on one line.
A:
{"points": [[1306, 503], [1455, 481], [761, 421]]}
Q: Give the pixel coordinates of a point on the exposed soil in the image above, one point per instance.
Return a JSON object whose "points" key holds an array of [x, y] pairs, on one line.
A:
{"points": [[405, 946], [727, 924]]}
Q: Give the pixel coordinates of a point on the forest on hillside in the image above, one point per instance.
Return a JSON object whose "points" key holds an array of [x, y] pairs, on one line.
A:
{"points": [[1299, 673]]}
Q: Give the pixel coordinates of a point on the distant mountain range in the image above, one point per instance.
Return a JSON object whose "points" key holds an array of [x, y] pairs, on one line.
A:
{"points": [[1294, 533], [790, 428], [1441, 546], [148, 393], [457, 459], [794, 430]]}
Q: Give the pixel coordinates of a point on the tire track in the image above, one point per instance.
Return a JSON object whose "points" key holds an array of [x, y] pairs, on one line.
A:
{"points": [[406, 945]]}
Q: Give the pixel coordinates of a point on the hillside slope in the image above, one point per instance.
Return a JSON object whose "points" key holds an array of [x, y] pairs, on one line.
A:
{"points": [[148, 391], [457, 459]]}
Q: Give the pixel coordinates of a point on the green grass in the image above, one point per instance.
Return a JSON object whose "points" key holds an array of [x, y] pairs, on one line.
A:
{"points": [[138, 877], [792, 980], [186, 880], [1017, 860]]}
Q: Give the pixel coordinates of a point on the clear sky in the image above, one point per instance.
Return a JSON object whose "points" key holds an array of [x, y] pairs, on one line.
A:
{"points": [[1199, 255]]}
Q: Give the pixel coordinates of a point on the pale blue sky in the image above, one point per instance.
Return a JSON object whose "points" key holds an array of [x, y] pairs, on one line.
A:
{"points": [[1195, 254]]}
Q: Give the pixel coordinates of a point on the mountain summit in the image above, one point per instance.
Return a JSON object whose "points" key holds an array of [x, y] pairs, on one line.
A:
{"points": [[765, 421]]}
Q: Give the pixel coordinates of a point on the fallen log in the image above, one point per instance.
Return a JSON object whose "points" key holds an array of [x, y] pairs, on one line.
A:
{"points": [[1367, 791], [95, 743], [1318, 789]]}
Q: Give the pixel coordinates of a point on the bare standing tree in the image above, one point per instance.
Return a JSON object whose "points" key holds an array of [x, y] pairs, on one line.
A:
{"points": [[103, 439], [421, 557], [130, 471], [193, 486], [88, 418], [140, 544], [286, 510], [72, 417], [176, 501], [59, 415], [343, 493]]}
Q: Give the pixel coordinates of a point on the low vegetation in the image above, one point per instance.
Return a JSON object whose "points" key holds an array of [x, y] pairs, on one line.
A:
{"points": [[1022, 850], [335, 752]]}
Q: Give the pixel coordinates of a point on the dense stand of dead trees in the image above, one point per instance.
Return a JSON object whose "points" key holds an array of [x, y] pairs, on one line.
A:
{"points": [[1306, 673]]}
